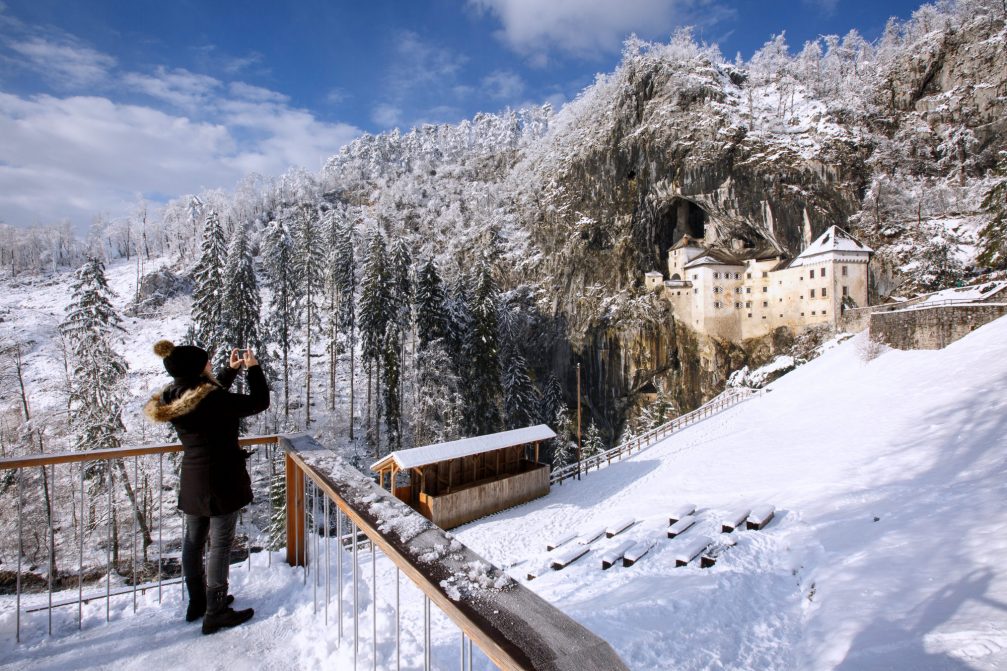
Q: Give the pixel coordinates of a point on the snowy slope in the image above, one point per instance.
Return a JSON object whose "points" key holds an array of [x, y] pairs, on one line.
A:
{"points": [[914, 439]]}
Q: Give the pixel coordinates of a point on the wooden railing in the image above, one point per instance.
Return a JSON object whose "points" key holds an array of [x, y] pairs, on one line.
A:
{"points": [[726, 399], [512, 626]]}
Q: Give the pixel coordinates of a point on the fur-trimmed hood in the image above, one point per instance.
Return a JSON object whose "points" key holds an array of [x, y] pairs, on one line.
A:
{"points": [[160, 411]]}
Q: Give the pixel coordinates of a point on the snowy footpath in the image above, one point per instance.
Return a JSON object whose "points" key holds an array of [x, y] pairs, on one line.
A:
{"points": [[888, 549]]}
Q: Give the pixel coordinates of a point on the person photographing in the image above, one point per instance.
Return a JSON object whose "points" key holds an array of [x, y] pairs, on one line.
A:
{"points": [[214, 484]]}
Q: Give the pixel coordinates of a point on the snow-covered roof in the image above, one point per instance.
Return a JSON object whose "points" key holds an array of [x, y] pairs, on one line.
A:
{"points": [[466, 447], [713, 257], [834, 239]]}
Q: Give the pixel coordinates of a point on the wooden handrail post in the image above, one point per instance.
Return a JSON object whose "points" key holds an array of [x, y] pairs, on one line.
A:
{"points": [[296, 547]]}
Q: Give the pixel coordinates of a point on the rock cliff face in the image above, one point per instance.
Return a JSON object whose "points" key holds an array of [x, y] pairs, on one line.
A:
{"points": [[677, 142], [674, 153]]}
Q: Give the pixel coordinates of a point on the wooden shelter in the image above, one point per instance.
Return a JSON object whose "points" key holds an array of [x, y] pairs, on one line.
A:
{"points": [[457, 482]]}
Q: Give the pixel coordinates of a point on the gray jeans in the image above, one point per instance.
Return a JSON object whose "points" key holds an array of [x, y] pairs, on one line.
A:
{"points": [[220, 530]]}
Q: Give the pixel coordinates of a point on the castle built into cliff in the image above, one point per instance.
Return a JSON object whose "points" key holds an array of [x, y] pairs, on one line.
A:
{"points": [[746, 293]]}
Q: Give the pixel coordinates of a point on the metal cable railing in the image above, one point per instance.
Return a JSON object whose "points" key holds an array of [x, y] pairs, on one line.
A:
{"points": [[333, 514], [722, 401]]}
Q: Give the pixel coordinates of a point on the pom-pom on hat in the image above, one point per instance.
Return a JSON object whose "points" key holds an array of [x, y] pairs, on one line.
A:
{"points": [[182, 361]]}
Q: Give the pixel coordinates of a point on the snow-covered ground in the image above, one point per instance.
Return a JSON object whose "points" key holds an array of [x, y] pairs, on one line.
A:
{"points": [[887, 550]]}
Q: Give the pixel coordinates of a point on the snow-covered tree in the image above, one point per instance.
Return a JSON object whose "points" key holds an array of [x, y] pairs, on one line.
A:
{"points": [[282, 317], [939, 265], [391, 371], [309, 274], [436, 415], [593, 443], [564, 445], [342, 317], [430, 317], [98, 387], [207, 292], [993, 235], [518, 393], [241, 303], [375, 312], [481, 353]]}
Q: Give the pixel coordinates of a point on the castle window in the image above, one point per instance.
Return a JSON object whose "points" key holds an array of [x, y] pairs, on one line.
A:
{"points": [[748, 290], [823, 272], [802, 314], [748, 304], [823, 312], [765, 290], [749, 315], [716, 275], [748, 276], [811, 273], [845, 271], [824, 294], [737, 306], [801, 278], [737, 290], [695, 276], [718, 290], [812, 293], [763, 316], [737, 276], [846, 292], [718, 304], [765, 274], [812, 313], [695, 291], [765, 304]]}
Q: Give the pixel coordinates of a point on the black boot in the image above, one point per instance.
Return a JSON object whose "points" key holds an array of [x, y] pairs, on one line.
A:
{"points": [[197, 599], [218, 615]]}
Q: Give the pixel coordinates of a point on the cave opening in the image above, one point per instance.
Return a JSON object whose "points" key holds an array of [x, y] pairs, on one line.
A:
{"points": [[679, 217]]}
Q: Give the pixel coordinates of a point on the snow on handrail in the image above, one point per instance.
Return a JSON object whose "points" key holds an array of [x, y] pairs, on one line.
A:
{"points": [[727, 398]]}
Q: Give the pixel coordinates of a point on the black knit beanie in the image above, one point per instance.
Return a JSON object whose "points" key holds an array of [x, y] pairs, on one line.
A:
{"points": [[184, 361]]}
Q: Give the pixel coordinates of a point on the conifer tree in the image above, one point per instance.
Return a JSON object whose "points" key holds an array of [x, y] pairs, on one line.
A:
{"points": [[241, 302], [282, 316], [309, 273], [482, 376], [98, 379], [436, 416], [390, 366], [518, 393], [374, 314], [430, 315], [457, 324], [593, 442], [550, 401], [207, 292], [993, 235], [563, 446], [342, 273]]}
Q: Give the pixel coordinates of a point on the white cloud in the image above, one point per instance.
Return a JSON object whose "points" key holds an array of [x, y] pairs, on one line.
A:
{"points": [[386, 115], [585, 28], [503, 85], [64, 63], [72, 157], [179, 87]]}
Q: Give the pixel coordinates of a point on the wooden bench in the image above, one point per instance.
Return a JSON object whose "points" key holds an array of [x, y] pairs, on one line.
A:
{"points": [[591, 536], [680, 526], [562, 540], [570, 556], [691, 549], [612, 557], [761, 516], [681, 511], [619, 527], [635, 553], [734, 520]]}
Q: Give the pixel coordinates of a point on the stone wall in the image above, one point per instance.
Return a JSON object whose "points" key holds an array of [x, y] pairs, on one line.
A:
{"points": [[932, 328]]}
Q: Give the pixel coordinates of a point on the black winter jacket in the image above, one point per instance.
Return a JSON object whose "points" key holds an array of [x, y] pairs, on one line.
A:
{"points": [[214, 479]]}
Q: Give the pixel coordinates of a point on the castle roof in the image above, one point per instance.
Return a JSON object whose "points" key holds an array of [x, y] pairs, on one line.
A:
{"points": [[714, 257], [834, 239]]}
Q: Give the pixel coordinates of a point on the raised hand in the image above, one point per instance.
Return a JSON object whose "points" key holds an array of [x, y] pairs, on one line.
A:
{"points": [[249, 359], [235, 361]]}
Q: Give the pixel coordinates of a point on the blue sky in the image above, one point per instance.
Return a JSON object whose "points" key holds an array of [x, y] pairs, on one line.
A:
{"points": [[105, 103]]}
